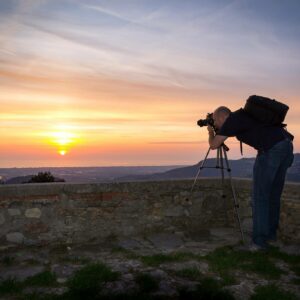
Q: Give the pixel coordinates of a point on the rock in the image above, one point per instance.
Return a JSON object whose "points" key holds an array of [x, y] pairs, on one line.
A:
{"points": [[165, 240], [129, 244], [33, 213], [242, 291], [175, 211], [14, 212], [20, 273], [15, 237]]}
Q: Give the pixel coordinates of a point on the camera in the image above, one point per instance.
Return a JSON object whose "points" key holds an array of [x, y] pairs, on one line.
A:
{"points": [[208, 121]]}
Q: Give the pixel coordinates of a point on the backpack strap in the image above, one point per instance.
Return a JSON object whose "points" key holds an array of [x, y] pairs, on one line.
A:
{"points": [[241, 147]]}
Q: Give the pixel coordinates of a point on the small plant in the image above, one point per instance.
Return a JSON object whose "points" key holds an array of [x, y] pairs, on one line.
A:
{"points": [[10, 286], [272, 292], [147, 283]]}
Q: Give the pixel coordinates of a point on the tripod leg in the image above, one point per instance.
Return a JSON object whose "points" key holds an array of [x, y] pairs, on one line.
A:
{"points": [[199, 170], [236, 206], [220, 149], [223, 185]]}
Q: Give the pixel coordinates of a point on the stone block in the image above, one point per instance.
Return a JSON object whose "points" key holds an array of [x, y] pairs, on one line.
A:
{"points": [[33, 213], [14, 212], [175, 211], [15, 237]]}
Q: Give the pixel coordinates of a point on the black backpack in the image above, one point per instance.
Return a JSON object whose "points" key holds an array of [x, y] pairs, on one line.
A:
{"points": [[265, 110], [269, 112]]}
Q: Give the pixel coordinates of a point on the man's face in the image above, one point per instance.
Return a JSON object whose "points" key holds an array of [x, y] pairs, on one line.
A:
{"points": [[219, 119]]}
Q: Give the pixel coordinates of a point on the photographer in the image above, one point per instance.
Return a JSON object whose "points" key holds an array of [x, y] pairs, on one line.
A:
{"points": [[274, 157]]}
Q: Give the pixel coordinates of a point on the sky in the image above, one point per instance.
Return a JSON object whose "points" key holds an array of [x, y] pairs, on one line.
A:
{"points": [[117, 83]]}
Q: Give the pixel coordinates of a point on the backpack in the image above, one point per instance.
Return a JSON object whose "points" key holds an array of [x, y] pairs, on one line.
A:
{"points": [[269, 112], [265, 110]]}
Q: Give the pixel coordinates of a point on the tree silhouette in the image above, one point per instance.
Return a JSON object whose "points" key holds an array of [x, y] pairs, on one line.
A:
{"points": [[42, 177]]}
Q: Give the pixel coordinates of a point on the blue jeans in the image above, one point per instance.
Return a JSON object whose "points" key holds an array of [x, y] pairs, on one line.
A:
{"points": [[269, 172]]}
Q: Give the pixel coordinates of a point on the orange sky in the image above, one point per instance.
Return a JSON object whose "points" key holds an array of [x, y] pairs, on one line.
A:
{"points": [[130, 90]]}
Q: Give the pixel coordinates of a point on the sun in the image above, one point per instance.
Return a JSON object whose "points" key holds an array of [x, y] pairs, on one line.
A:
{"points": [[62, 152], [63, 138]]}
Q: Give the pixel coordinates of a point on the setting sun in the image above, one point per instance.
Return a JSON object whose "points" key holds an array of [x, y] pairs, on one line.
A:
{"points": [[62, 138], [62, 152]]}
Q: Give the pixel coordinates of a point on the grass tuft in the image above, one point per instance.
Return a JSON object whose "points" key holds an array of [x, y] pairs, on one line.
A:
{"points": [[224, 259], [88, 281], [45, 278], [10, 286]]}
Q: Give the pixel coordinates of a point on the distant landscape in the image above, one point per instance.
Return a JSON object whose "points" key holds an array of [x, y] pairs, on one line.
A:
{"points": [[241, 168]]}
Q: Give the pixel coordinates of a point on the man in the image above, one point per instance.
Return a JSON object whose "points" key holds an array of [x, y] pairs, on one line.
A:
{"points": [[274, 157]]}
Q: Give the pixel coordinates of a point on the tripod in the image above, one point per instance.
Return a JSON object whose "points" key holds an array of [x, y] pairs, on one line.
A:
{"points": [[221, 156]]}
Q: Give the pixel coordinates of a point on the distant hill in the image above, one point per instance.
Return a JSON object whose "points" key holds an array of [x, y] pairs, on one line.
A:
{"points": [[241, 168], [79, 174]]}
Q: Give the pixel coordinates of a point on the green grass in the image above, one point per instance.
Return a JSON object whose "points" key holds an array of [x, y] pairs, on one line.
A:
{"points": [[88, 281], [224, 259], [10, 286], [272, 292], [291, 259], [45, 278], [146, 283]]}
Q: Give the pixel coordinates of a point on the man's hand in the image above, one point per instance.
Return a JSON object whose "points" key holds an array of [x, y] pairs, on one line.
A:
{"points": [[210, 130], [214, 140]]}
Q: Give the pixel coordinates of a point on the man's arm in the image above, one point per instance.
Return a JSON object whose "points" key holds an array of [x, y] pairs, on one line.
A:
{"points": [[215, 141]]}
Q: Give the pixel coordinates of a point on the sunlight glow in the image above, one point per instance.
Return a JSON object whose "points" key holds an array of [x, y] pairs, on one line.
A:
{"points": [[62, 152]]}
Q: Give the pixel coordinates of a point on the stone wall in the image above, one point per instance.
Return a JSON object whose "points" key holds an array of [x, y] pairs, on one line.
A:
{"points": [[71, 213]]}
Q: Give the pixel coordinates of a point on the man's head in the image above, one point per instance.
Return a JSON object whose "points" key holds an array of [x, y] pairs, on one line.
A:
{"points": [[220, 115]]}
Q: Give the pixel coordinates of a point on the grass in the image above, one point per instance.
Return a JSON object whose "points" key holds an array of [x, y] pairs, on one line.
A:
{"points": [[272, 292], [45, 278], [224, 259], [10, 286], [88, 281]]}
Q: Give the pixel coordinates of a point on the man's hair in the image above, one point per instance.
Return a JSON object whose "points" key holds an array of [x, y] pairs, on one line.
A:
{"points": [[222, 110]]}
